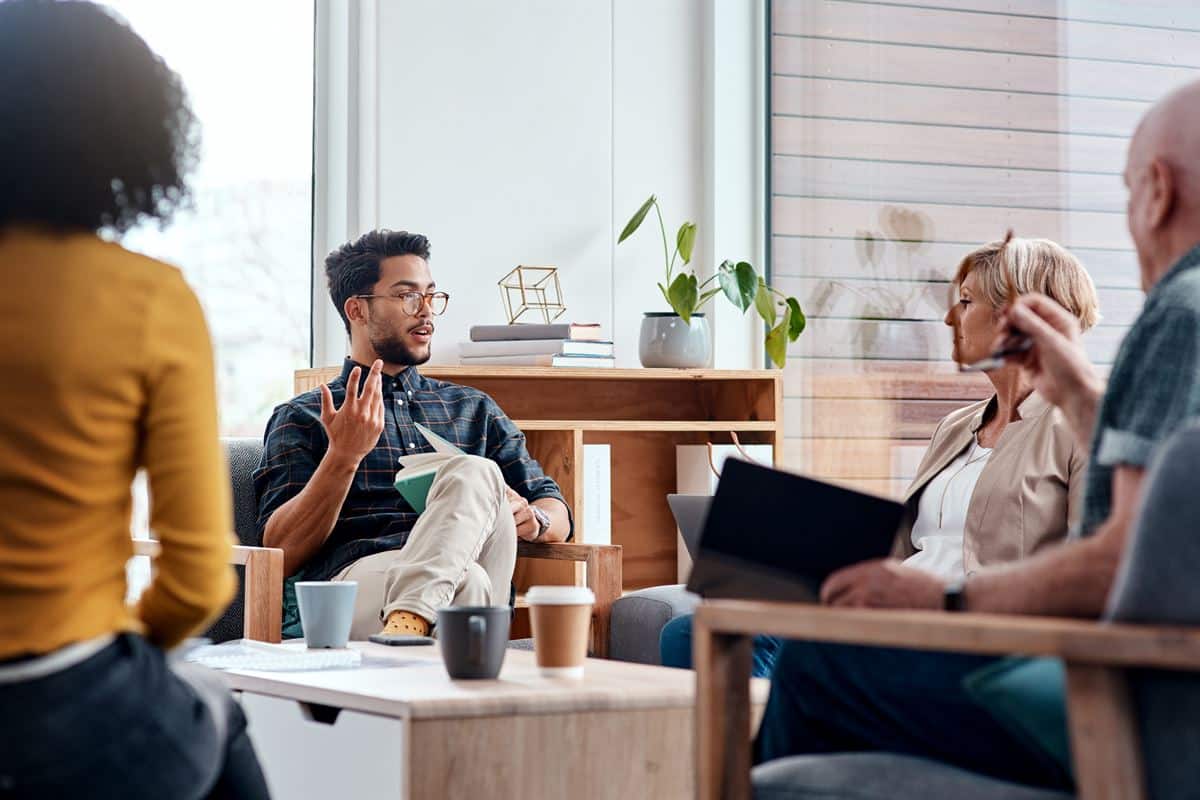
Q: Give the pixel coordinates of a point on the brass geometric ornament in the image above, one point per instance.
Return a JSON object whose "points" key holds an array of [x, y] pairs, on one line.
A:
{"points": [[534, 289]]}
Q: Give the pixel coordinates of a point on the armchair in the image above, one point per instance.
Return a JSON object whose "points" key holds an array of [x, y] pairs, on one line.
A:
{"points": [[264, 595], [1132, 681], [1105, 746], [257, 609], [262, 585]]}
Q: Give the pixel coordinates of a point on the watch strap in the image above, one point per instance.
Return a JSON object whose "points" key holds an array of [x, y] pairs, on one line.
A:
{"points": [[543, 520], [954, 598]]}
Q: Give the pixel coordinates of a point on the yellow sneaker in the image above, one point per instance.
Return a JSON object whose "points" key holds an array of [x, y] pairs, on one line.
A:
{"points": [[406, 623]]}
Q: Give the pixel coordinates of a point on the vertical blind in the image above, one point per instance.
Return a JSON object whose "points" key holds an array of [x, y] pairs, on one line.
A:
{"points": [[903, 135]]}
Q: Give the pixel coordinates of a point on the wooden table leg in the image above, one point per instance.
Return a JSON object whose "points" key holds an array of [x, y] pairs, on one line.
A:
{"points": [[722, 713]]}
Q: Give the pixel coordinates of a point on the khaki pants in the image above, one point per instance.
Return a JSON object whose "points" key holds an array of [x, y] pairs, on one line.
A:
{"points": [[461, 552]]}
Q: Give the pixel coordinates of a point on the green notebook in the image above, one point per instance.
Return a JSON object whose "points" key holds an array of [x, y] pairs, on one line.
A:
{"points": [[418, 471]]}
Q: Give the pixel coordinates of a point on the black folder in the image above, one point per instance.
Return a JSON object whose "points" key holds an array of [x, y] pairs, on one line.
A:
{"points": [[773, 535]]}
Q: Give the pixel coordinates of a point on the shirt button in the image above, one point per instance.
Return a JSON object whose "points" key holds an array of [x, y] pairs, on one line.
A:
{"points": [[410, 394], [411, 446], [399, 402]]}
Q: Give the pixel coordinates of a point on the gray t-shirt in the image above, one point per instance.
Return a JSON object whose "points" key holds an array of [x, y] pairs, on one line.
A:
{"points": [[1154, 387]]}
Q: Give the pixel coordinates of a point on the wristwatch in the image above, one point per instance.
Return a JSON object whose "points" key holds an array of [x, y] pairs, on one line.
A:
{"points": [[543, 520], [954, 598]]}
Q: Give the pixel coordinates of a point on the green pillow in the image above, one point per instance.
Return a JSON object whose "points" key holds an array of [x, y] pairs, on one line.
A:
{"points": [[1027, 696]]}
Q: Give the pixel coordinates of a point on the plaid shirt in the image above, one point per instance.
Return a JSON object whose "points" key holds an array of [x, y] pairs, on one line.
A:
{"points": [[374, 517]]}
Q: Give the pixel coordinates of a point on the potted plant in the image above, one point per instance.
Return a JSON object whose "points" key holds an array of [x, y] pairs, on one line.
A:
{"points": [[681, 337]]}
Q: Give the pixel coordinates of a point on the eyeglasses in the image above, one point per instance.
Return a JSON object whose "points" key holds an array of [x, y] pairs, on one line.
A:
{"points": [[411, 302]]}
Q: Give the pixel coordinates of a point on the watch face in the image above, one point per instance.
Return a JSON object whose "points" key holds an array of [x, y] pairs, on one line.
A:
{"points": [[542, 517]]}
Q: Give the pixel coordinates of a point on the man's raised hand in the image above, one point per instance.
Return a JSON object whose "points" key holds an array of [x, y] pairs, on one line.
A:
{"points": [[354, 429]]}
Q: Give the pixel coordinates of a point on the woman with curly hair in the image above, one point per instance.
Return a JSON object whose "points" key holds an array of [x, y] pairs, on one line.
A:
{"points": [[107, 368]]}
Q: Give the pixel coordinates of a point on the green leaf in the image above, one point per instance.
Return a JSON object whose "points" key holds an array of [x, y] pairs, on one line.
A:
{"points": [[777, 340], [727, 279], [739, 282], [685, 240], [704, 298], [747, 281], [663, 289], [765, 303], [796, 320], [636, 219], [682, 294]]}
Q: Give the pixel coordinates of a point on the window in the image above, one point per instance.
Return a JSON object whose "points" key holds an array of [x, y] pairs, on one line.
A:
{"points": [[906, 133], [245, 247]]}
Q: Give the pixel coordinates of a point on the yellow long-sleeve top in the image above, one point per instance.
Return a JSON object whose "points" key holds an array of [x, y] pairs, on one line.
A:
{"points": [[105, 366]]}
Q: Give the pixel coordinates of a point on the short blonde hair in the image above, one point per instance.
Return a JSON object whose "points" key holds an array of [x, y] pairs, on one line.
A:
{"points": [[1012, 267]]}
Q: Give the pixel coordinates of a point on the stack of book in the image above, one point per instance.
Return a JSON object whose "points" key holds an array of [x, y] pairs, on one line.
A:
{"points": [[555, 345]]}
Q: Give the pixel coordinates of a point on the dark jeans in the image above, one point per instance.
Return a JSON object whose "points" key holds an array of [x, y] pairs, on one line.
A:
{"points": [[122, 724], [833, 698], [675, 647]]}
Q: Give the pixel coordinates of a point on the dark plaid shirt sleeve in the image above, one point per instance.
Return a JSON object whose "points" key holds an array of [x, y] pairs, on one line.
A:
{"points": [[506, 446], [290, 457]]}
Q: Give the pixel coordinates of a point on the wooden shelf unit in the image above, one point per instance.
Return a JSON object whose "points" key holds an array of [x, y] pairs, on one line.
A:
{"points": [[642, 414]]}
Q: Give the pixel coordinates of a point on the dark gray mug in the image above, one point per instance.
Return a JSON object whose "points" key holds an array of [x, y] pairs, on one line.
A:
{"points": [[473, 639]]}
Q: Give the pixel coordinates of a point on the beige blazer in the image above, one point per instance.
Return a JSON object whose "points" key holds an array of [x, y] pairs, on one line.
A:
{"points": [[1029, 493]]}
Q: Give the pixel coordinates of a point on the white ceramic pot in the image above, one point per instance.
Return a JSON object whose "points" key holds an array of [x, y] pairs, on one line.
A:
{"points": [[668, 341]]}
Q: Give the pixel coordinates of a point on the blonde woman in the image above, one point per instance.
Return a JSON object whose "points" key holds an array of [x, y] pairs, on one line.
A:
{"points": [[1002, 478]]}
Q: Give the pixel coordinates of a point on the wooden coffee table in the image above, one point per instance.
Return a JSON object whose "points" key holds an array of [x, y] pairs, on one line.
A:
{"points": [[400, 727]]}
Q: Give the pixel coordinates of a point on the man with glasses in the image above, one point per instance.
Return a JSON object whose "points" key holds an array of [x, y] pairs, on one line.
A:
{"points": [[325, 483]]}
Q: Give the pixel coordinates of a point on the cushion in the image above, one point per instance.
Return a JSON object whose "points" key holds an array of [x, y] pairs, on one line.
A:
{"points": [[243, 454], [1027, 696], [638, 619], [881, 776]]}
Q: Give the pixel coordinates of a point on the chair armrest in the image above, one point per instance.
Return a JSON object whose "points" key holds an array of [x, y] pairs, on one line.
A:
{"points": [[1104, 743], [1082, 641], [263, 601], [602, 569]]}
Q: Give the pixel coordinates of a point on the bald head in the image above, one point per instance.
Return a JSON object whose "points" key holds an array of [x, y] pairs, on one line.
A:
{"points": [[1163, 179]]}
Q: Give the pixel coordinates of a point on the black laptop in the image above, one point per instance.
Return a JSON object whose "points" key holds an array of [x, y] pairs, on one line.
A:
{"points": [[773, 535]]}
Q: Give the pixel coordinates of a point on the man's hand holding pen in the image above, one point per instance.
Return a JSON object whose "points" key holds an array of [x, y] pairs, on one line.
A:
{"points": [[1054, 357]]}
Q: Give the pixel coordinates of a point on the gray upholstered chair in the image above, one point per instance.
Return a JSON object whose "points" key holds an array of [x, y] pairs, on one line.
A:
{"points": [[1133, 689], [639, 617], [602, 563]]}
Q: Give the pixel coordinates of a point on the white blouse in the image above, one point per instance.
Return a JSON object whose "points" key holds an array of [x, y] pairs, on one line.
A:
{"points": [[937, 532]]}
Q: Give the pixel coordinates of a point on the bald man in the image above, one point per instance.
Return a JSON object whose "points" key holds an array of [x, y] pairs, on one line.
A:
{"points": [[828, 698]]}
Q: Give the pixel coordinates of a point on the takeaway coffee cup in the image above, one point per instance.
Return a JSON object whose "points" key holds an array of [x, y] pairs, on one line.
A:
{"points": [[473, 640], [561, 617], [326, 611]]}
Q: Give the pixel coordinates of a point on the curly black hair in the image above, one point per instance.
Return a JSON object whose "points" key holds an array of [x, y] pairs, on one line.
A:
{"points": [[96, 131], [353, 268]]}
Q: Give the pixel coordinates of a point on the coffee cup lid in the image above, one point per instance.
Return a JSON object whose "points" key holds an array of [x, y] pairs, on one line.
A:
{"points": [[559, 595]]}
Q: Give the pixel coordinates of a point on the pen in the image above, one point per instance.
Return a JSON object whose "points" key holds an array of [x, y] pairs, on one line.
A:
{"points": [[998, 358]]}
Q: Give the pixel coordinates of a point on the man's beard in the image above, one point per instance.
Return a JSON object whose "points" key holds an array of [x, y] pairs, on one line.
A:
{"points": [[393, 351]]}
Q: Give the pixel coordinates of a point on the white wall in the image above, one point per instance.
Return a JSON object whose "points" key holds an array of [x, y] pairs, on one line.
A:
{"points": [[528, 132]]}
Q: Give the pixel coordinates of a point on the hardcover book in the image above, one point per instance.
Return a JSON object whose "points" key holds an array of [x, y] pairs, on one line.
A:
{"points": [[418, 471]]}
